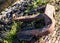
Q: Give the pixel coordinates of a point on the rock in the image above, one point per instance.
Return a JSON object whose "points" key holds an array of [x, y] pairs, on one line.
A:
{"points": [[57, 1], [59, 23], [41, 40], [2, 1], [1, 40], [50, 41], [53, 34], [56, 41]]}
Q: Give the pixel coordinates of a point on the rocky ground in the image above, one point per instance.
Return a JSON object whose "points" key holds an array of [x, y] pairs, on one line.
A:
{"points": [[53, 37]]}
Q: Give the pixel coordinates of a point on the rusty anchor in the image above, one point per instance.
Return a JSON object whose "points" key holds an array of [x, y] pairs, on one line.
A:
{"points": [[48, 28]]}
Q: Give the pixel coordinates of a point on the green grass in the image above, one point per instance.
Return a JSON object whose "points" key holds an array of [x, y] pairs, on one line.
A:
{"points": [[11, 34]]}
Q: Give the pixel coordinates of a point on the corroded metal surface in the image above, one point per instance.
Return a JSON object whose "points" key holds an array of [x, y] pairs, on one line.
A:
{"points": [[49, 23]]}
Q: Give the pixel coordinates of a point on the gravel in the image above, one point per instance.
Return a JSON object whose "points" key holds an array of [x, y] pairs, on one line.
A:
{"points": [[17, 8]]}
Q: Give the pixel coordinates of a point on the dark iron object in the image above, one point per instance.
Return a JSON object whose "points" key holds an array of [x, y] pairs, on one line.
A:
{"points": [[25, 37], [49, 23]]}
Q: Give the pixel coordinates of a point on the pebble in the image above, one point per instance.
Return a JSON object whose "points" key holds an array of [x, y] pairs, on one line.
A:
{"points": [[0, 40], [56, 41], [59, 23], [53, 34], [57, 1]]}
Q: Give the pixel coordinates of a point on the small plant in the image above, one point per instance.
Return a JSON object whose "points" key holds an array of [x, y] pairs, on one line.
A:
{"points": [[11, 34]]}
